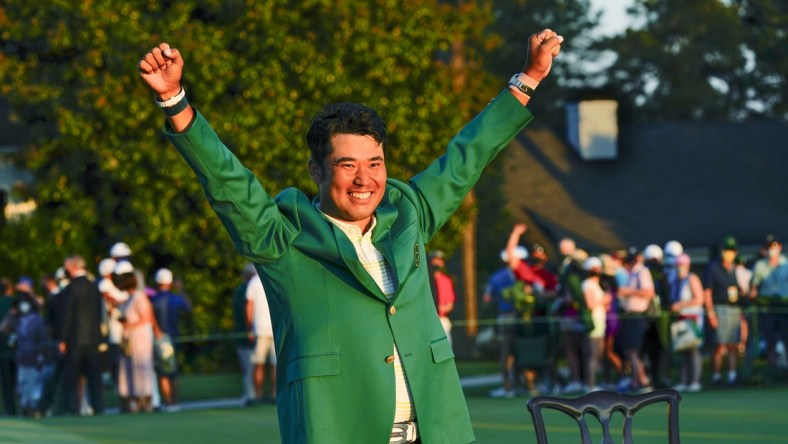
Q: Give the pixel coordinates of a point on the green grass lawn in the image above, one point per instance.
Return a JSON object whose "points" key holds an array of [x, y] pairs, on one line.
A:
{"points": [[742, 415]]}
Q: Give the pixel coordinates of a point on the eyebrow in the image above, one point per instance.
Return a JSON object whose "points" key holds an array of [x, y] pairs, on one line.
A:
{"points": [[353, 159]]}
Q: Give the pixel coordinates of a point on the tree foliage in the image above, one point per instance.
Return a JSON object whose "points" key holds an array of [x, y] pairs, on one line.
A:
{"points": [[257, 70], [703, 60], [515, 20]]}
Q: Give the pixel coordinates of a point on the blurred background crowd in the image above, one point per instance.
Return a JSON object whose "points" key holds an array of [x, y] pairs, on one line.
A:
{"points": [[637, 319], [627, 320], [63, 342]]}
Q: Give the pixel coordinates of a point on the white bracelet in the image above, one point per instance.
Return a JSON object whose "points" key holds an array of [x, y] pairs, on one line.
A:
{"points": [[523, 83], [172, 101]]}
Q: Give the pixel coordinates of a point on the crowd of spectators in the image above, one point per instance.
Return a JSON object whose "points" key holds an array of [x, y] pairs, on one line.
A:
{"points": [[629, 321], [63, 343], [636, 319]]}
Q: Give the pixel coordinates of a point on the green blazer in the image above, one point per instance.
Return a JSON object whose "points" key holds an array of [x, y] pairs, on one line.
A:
{"points": [[333, 326]]}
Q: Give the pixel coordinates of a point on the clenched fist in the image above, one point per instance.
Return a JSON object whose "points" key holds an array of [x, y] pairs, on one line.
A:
{"points": [[161, 68]]}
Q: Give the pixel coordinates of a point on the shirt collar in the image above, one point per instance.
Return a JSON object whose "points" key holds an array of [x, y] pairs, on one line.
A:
{"points": [[348, 228]]}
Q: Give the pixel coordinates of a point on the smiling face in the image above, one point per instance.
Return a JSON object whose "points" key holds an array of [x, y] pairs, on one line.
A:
{"points": [[352, 179]]}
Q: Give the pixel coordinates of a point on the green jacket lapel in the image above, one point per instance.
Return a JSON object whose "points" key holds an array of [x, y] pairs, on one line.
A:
{"points": [[386, 214], [348, 254]]}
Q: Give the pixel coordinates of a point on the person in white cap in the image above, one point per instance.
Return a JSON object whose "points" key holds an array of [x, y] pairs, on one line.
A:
{"points": [[656, 343], [120, 251], [168, 306], [673, 249], [113, 300]]}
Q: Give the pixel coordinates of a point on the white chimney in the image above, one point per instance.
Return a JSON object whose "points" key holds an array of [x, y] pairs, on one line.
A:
{"points": [[592, 129]]}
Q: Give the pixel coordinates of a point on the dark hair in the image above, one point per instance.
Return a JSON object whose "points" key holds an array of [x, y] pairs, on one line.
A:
{"points": [[125, 281], [342, 118]]}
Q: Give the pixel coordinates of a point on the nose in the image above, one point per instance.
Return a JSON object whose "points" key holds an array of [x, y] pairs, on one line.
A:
{"points": [[362, 176]]}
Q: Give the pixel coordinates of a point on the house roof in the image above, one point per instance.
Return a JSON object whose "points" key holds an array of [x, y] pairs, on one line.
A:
{"points": [[691, 182]]}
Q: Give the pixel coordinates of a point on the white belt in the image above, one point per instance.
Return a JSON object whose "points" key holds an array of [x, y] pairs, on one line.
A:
{"points": [[404, 432]]}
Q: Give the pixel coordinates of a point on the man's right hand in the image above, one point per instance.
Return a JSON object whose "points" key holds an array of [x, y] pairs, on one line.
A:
{"points": [[161, 68], [519, 229]]}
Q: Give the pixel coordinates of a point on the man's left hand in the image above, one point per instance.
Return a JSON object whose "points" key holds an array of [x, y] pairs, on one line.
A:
{"points": [[542, 47]]}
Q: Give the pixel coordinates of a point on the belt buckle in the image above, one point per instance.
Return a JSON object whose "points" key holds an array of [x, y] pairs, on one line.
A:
{"points": [[403, 432]]}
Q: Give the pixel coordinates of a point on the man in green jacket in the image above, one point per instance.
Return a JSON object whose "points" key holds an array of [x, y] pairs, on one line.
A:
{"points": [[363, 357]]}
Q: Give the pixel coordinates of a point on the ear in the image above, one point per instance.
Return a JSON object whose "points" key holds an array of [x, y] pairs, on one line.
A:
{"points": [[316, 171]]}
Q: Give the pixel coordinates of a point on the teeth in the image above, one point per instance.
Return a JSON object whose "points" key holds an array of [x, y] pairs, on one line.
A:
{"points": [[361, 195]]}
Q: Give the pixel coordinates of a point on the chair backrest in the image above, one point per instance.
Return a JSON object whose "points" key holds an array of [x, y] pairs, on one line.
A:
{"points": [[602, 404]]}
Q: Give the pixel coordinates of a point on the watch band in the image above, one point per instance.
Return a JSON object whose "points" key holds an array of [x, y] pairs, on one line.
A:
{"points": [[174, 104], [172, 100], [524, 88]]}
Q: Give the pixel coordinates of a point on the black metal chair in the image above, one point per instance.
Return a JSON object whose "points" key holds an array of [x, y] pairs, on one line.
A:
{"points": [[603, 404]]}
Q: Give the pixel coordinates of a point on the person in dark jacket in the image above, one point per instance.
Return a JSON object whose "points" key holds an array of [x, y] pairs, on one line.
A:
{"points": [[32, 340], [80, 337]]}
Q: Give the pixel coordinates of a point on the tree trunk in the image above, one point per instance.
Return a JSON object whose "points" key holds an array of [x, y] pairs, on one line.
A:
{"points": [[459, 71], [469, 266]]}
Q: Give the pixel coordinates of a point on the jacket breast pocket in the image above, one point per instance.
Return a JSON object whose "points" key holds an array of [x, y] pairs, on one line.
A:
{"points": [[441, 350], [313, 365]]}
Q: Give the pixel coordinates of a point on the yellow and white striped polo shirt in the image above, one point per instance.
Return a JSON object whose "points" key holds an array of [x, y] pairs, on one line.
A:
{"points": [[377, 267]]}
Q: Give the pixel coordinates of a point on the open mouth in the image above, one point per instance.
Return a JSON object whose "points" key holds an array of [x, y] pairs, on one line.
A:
{"points": [[361, 196]]}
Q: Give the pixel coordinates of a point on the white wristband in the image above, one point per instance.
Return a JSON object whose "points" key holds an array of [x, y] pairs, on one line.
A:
{"points": [[172, 101], [523, 83]]}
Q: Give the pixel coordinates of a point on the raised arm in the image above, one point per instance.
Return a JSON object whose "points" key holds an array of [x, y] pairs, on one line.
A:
{"points": [[251, 216], [511, 246], [542, 47], [161, 69]]}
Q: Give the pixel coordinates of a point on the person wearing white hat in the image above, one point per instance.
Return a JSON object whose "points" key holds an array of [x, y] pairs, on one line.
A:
{"points": [[673, 249], [120, 250], [656, 343], [653, 252], [106, 267], [168, 306], [113, 300]]}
